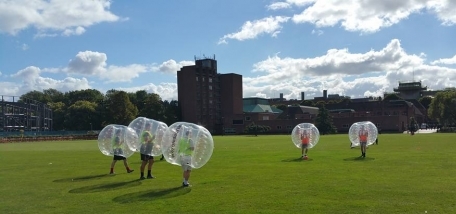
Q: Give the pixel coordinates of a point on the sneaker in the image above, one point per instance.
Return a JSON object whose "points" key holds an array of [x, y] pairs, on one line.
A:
{"points": [[150, 177], [112, 173], [130, 171], [142, 178], [186, 185]]}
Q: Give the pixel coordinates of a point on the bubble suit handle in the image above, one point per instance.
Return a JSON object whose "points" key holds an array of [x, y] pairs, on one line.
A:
{"points": [[307, 132], [183, 140], [150, 133], [115, 140], [359, 130]]}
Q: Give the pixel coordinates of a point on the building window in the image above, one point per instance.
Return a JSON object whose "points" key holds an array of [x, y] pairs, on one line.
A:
{"points": [[196, 78], [379, 113], [279, 127], [210, 101], [210, 79], [203, 79], [395, 113], [238, 122], [247, 118], [266, 117], [345, 126], [210, 87], [289, 127]]}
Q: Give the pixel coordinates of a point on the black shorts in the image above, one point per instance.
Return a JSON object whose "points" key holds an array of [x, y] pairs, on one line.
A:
{"points": [[117, 157], [146, 157], [362, 143], [304, 145]]}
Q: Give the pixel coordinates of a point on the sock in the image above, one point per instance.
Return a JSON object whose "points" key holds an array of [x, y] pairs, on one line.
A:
{"points": [[112, 170], [149, 173], [142, 174], [185, 182]]}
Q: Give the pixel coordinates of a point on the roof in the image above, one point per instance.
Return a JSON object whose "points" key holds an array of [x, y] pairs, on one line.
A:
{"points": [[260, 108]]}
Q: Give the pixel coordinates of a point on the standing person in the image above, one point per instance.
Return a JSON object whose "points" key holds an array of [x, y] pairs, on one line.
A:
{"points": [[118, 153], [146, 152], [305, 138], [363, 135], [186, 148]]}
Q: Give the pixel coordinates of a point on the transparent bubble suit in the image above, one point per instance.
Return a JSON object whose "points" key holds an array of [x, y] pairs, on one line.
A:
{"points": [[308, 129], [115, 140], [153, 129], [367, 126], [201, 138]]}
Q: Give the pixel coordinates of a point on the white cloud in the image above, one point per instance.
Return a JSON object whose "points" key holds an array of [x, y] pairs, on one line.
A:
{"points": [[76, 31], [167, 91], [31, 79], [447, 61], [318, 32], [340, 72], [250, 30], [24, 47], [70, 17], [123, 73], [371, 15], [278, 6], [171, 66], [88, 63]]}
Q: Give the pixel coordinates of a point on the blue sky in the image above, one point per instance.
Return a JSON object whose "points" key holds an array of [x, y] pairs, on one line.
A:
{"points": [[355, 48]]}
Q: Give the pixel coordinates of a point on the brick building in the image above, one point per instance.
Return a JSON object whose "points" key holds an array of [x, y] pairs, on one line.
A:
{"points": [[208, 98]]}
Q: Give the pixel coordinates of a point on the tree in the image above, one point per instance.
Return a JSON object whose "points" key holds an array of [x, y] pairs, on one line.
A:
{"points": [[392, 97], [282, 107], [324, 121], [443, 107], [79, 115], [91, 95], [307, 103], [58, 115], [54, 95], [35, 95], [153, 107], [119, 109], [425, 101], [172, 112]]}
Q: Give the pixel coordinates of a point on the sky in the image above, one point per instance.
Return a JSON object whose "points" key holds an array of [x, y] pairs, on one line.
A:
{"points": [[355, 48]]}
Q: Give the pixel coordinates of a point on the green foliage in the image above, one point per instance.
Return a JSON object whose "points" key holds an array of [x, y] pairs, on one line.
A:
{"points": [[307, 103], [79, 115], [120, 110], [253, 128], [282, 107], [425, 101], [153, 107], [58, 113], [389, 97], [403, 174], [443, 107], [324, 121]]}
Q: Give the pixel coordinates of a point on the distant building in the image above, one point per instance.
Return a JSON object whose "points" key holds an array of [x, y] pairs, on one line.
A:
{"points": [[208, 98]]}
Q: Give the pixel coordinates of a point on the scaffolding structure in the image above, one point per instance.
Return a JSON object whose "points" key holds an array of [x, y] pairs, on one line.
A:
{"points": [[24, 115]]}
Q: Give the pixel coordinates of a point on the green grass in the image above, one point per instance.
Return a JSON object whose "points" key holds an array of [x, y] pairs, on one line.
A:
{"points": [[403, 174]]}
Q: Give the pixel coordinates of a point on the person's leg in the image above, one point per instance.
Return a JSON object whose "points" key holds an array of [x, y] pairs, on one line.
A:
{"points": [[149, 168], [186, 175], [126, 166], [143, 165], [305, 152], [113, 163], [302, 150]]}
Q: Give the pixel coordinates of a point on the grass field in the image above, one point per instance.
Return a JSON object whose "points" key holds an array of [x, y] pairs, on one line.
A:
{"points": [[264, 174]]}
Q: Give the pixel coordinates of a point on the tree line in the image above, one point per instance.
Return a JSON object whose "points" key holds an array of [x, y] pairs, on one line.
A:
{"points": [[90, 109]]}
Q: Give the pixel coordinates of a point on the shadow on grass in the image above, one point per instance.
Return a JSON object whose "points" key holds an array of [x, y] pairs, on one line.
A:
{"points": [[359, 159], [297, 160], [151, 195], [83, 178], [106, 187]]}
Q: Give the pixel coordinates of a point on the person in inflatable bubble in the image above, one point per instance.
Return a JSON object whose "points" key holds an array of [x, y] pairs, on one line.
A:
{"points": [[147, 140], [363, 136], [118, 153], [305, 139], [186, 148]]}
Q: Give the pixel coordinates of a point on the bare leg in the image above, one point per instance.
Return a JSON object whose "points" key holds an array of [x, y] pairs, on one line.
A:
{"points": [[186, 174], [113, 163], [151, 162]]}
